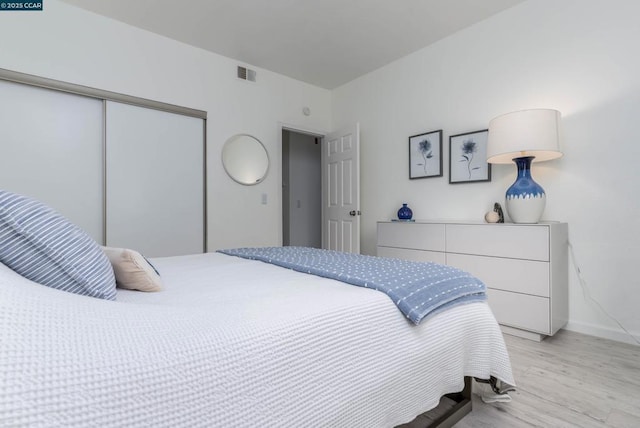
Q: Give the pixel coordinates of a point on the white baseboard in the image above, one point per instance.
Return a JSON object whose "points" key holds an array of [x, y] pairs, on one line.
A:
{"points": [[522, 333], [604, 332]]}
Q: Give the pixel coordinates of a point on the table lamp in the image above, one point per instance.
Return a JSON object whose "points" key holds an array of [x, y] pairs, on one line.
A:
{"points": [[524, 137]]}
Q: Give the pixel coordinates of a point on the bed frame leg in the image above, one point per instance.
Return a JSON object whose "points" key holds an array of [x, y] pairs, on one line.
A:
{"points": [[459, 410]]}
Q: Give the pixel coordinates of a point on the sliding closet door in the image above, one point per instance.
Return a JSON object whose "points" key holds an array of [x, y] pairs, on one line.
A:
{"points": [[155, 181], [52, 150]]}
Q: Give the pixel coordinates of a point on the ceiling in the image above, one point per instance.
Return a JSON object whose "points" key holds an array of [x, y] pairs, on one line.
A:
{"points": [[323, 42]]}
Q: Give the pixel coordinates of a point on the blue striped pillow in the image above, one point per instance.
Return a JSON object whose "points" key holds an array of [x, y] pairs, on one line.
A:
{"points": [[43, 246]]}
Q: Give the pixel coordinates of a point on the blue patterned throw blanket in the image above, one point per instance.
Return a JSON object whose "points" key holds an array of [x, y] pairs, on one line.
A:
{"points": [[419, 289]]}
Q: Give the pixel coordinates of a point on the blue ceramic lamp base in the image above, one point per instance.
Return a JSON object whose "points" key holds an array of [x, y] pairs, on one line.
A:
{"points": [[525, 199]]}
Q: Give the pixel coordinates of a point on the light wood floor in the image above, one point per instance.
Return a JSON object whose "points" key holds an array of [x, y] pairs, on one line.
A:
{"points": [[568, 380]]}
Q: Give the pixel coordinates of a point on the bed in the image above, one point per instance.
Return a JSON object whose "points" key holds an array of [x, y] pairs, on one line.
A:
{"points": [[227, 342]]}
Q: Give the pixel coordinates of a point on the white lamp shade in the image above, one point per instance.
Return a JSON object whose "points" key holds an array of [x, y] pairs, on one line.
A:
{"points": [[524, 133]]}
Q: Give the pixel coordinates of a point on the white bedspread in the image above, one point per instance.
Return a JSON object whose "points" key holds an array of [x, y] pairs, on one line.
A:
{"points": [[232, 342]]}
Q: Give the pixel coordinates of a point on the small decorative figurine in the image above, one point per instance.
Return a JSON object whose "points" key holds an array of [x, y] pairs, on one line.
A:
{"points": [[495, 216], [498, 209], [491, 217]]}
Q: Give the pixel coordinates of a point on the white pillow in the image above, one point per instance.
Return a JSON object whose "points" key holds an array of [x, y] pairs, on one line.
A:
{"points": [[132, 270]]}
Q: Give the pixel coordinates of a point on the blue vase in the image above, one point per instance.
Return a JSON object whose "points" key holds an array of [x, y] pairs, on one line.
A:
{"points": [[525, 198], [405, 213]]}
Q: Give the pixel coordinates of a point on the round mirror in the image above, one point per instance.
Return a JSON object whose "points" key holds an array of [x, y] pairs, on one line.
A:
{"points": [[245, 159]]}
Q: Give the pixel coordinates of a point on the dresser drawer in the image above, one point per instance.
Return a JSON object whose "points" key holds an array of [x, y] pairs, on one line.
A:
{"points": [[522, 276], [414, 255], [499, 240], [417, 236], [520, 310]]}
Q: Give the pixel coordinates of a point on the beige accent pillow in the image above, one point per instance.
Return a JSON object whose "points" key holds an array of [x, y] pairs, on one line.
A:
{"points": [[132, 270]]}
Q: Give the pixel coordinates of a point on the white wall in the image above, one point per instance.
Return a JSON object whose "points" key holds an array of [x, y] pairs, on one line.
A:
{"points": [[69, 44], [577, 56]]}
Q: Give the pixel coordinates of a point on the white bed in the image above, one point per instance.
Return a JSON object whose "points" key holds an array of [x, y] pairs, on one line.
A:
{"points": [[232, 342]]}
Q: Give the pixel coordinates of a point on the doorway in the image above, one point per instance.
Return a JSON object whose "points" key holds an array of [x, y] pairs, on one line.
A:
{"points": [[301, 189]]}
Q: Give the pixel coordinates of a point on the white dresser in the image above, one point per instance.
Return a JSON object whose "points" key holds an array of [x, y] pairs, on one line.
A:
{"points": [[525, 266]]}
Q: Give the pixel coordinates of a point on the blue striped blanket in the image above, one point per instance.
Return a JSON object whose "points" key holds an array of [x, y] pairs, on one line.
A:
{"points": [[419, 289]]}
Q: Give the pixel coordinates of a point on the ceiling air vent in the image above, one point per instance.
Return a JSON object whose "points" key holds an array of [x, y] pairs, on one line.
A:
{"points": [[246, 74]]}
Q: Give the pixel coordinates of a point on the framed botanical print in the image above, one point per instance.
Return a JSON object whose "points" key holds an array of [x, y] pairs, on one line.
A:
{"points": [[425, 155], [468, 157]]}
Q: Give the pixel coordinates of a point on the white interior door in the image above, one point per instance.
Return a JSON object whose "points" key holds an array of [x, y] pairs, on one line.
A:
{"points": [[155, 181], [341, 190]]}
